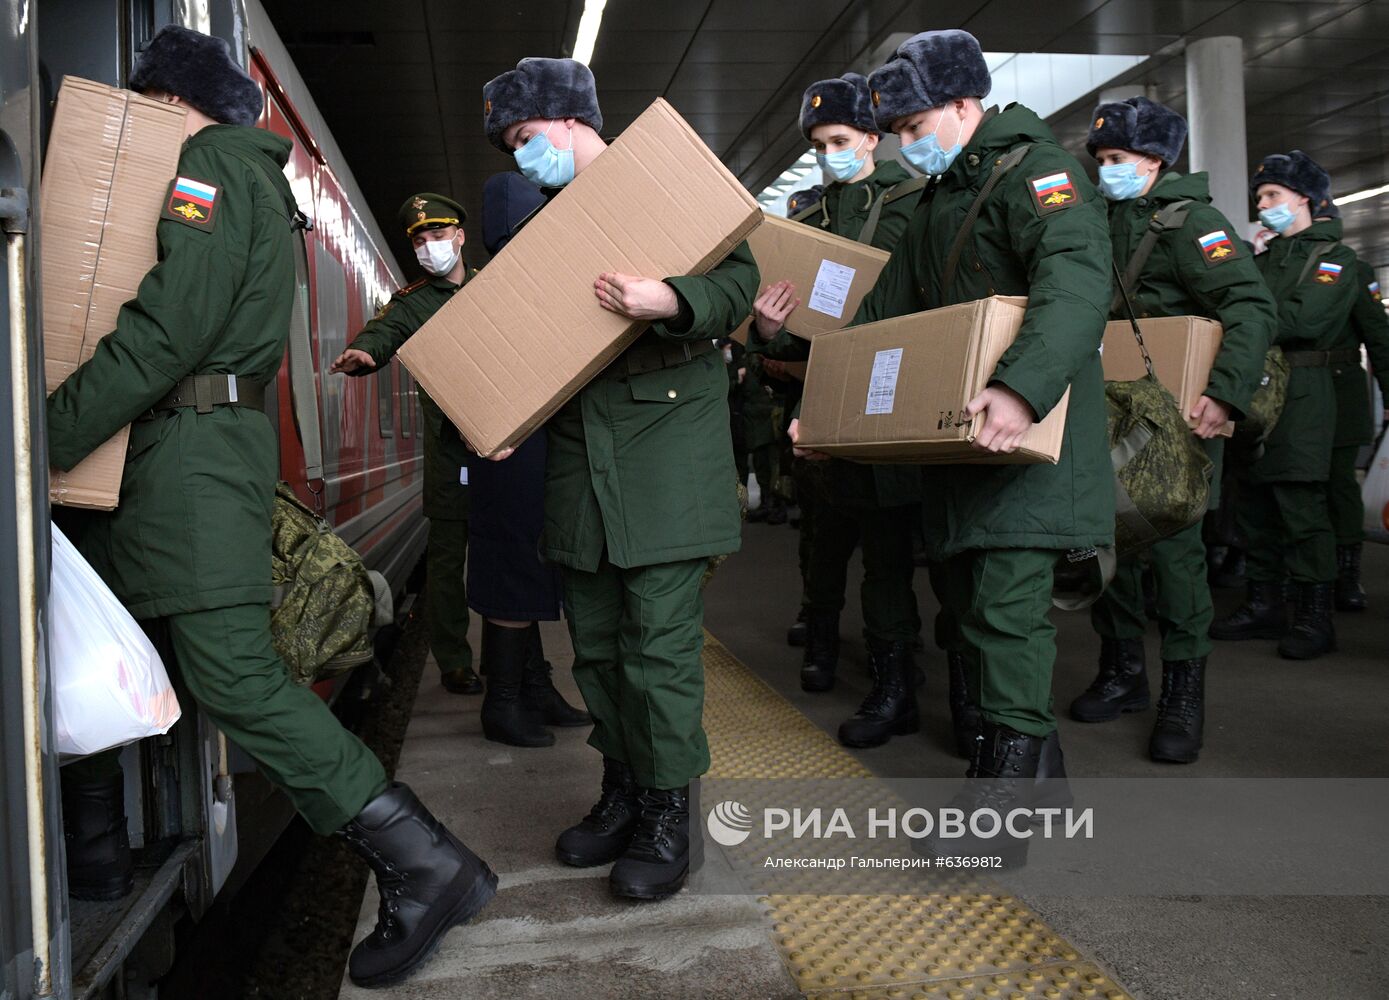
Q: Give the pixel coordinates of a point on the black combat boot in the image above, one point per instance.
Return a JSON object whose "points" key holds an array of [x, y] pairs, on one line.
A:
{"points": [[1350, 596], [1002, 777], [890, 708], [658, 858], [1261, 616], [602, 835], [1181, 712], [1120, 686], [461, 681], [964, 714], [506, 717], [99, 863], [821, 650], [428, 882], [795, 635], [538, 691], [1312, 633], [1231, 572], [1053, 790], [776, 514]]}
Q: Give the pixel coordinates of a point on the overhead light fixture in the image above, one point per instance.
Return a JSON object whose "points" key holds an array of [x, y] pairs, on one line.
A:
{"points": [[1352, 198], [589, 24]]}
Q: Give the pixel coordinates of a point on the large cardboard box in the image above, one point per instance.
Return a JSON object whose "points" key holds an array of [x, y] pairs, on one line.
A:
{"points": [[111, 157], [831, 274], [894, 391], [528, 333], [1183, 349]]}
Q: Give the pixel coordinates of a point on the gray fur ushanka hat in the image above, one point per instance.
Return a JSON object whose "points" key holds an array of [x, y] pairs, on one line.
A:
{"points": [[198, 68], [1140, 125], [539, 88], [926, 71], [841, 101], [1297, 171]]}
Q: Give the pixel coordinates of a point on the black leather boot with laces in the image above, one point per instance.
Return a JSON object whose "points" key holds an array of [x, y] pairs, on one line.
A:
{"points": [[1181, 712], [427, 879], [1120, 686], [602, 835], [890, 708], [821, 655], [1263, 615], [658, 858], [100, 866], [1313, 632], [965, 719], [1001, 778], [1350, 595], [538, 691]]}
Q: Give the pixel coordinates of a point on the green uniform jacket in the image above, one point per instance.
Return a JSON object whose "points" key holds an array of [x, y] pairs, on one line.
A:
{"points": [[643, 464], [192, 531], [1059, 257], [1312, 316], [1182, 279], [1369, 326], [846, 209], [445, 453], [758, 408]]}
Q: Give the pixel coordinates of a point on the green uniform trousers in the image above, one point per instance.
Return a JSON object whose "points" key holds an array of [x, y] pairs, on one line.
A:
{"points": [[764, 466], [890, 611], [1288, 531], [638, 634], [446, 611], [1184, 604], [229, 666], [1000, 600], [946, 628], [1343, 497]]}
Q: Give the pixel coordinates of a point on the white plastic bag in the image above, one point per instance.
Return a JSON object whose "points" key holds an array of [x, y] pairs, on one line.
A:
{"points": [[109, 684], [1376, 494]]}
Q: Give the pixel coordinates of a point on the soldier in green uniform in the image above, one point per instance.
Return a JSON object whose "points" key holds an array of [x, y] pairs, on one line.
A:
{"points": [[1284, 513], [1178, 256], [875, 506], [188, 548], [1354, 429], [640, 492], [434, 224], [1041, 232]]}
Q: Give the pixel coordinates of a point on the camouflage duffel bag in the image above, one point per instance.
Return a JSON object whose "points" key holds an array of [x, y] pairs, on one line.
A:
{"points": [[324, 601], [1162, 477], [1266, 405]]}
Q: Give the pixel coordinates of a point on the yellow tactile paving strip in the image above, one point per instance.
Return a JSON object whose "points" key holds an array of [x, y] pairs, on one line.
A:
{"points": [[940, 946]]}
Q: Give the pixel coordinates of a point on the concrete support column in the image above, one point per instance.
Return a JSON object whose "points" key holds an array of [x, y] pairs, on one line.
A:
{"points": [[1216, 115]]}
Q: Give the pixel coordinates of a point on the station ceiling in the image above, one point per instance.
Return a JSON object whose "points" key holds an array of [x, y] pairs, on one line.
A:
{"points": [[400, 83]]}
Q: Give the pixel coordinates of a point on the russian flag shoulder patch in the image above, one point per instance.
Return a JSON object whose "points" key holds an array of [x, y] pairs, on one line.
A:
{"points": [[1053, 192], [1328, 273], [1217, 247], [192, 202], [1374, 291]]}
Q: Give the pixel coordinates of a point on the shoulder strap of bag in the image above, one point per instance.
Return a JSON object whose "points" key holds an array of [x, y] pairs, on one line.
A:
{"points": [[807, 214], [952, 261], [1317, 254], [303, 389], [1170, 217], [1123, 295], [870, 228]]}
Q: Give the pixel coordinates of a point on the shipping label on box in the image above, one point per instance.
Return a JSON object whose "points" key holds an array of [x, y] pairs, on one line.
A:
{"points": [[831, 274], [111, 157], [1183, 349], [521, 338], [895, 391]]}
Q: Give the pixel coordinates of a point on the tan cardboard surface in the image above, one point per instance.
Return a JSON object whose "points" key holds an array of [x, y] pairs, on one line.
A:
{"points": [[528, 333], [894, 391], [831, 274], [1183, 349], [111, 157]]}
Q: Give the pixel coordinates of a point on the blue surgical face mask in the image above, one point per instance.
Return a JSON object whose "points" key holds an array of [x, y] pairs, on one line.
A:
{"points": [[843, 165], [1279, 217], [544, 165], [1121, 181], [927, 155]]}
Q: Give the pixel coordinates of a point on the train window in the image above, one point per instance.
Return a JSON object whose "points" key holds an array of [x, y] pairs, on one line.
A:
{"points": [[385, 399]]}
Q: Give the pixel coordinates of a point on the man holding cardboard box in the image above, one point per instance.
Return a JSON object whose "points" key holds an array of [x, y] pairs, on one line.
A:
{"points": [[1178, 256], [1038, 231], [1285, 517], [873, 505], [189, 544], [640, 492]]}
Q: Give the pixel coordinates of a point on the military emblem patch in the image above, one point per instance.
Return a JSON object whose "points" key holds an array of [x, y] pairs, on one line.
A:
{"points": [[815, 101], [877, 98], [193, 203], [1216, 247], [1099, 123], [1328, 273], [1374, 291], [1054, 192]]}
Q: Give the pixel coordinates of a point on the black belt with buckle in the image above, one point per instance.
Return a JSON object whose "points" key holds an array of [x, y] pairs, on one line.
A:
{"points": [[1321, 359], [645, 358], [205, 391]]}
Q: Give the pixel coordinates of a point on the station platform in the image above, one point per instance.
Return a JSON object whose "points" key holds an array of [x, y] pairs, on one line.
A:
{"points": [[555, 931]]}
